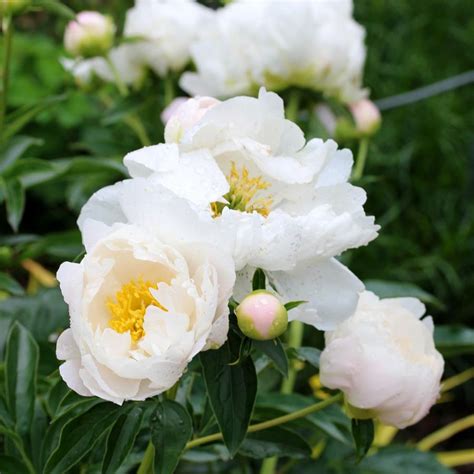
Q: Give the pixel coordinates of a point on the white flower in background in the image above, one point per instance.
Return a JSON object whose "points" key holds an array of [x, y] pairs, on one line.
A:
{"points": [[314, 44], [127, 66], [287, 203], [90, 34], [384, 360], [165, 30], [146, 298]]}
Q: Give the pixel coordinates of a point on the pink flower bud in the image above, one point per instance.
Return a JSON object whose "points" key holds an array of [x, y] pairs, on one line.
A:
{"points": [[366, 116], [261, 316], [186, 115], [90, 34], [172, 108]]}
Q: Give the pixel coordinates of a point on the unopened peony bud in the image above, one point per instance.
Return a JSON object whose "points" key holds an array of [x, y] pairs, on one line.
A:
{"points": [[384, 360], [186, 115], [172, 108], [13, 7], [366, 116], [90, 34], [261, 316]]}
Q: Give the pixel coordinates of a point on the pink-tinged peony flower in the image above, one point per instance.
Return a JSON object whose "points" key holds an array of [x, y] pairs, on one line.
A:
{"points": [[366, 116]]}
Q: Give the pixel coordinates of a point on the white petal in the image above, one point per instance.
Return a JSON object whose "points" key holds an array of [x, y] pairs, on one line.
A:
{"points": [[330, 289], [70, 374]]}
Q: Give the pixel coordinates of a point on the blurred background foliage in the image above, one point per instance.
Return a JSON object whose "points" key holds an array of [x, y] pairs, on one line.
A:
{"points": [[419, 175]]}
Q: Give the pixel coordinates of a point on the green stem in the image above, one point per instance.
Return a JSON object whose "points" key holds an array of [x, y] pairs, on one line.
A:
{"points": [[147, 461], [293, 105], [169, 92], [121, 86], [137, 126], [7, 27], [295, 339], [361, 159], [271, 423]]}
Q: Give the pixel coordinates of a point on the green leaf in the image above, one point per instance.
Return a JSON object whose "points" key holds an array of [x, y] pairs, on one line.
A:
{"points": [[171, 429], [306, 354], [395, 289], [21, 117], [21, 364], [56, 7], [274, 350], [277, 441], [14, 149], [258, 280], [15, 200], [11, 465], [293, 304], [453, 340], [79, 435], [363, 434], [33, 171], [399, 459], [9, 284], [231, 389], [121, 439], [42, 314]]}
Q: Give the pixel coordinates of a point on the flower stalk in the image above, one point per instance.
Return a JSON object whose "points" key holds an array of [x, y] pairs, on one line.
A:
{"points": [[270, 423], [361, 159]]}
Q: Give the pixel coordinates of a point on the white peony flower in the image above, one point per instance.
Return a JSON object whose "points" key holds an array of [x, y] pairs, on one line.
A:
{"points": [[313, 44], [384, 360], [146, 298], [287, 203], [166, 28]]}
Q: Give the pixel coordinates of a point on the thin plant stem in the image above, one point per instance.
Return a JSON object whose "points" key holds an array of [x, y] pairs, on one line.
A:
{"points": [[445, 433], [295, 339], [121, 86], [456, 458], [147, 461], [361, 159], [169, 92], [457, 380], [292, 107], [7, 28], [271, 423], [137, 126]]}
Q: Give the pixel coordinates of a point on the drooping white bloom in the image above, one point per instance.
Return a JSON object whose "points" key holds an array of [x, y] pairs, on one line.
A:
{"points": [[384, 360], [287, 203], [146, 298], [314, 44], [165, 30], [90, 34]]}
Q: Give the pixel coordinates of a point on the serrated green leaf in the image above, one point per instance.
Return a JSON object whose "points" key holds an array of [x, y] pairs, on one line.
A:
{"points": [[121, 439], [259, 280], [9, 284], [363, 435], [277, 441], [171, 429], [21, 365], [274, 350], [231, 389]]}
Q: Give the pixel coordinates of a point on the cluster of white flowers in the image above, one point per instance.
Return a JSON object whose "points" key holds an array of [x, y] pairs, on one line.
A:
{"points": [[235, 187], [314, 44]]}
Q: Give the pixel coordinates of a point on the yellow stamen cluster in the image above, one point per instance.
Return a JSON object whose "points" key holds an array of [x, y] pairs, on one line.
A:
{"points": [[242, 195], [128, 311]]}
